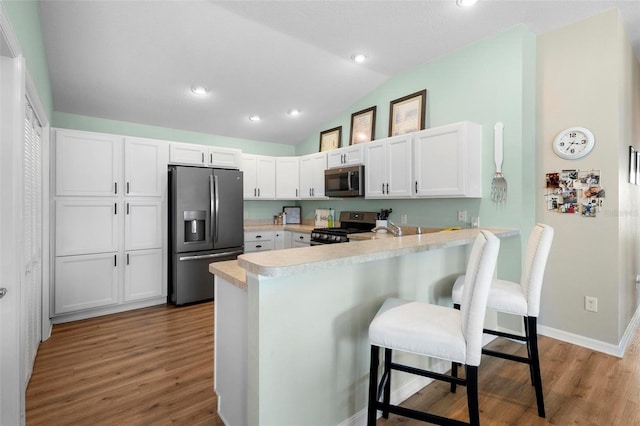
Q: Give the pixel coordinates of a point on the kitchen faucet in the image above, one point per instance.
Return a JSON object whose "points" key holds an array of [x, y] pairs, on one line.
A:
{"points": [[393, 228]]}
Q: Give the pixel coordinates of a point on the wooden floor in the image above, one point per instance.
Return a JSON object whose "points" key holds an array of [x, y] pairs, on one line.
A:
{"points": [[154, 367]]}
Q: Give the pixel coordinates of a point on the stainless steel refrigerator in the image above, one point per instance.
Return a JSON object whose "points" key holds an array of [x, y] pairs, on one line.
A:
{"points": [[205, 226]]}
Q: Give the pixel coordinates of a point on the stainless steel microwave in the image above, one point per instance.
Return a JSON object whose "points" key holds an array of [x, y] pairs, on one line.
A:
{"points": [[344, 182]]}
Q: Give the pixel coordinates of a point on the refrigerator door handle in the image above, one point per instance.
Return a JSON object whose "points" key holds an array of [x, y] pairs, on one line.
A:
{"points": [[211, 205], [217, 205], [211, 256]]}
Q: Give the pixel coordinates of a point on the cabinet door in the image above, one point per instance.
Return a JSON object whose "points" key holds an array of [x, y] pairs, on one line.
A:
{"points": [[375, 170], [87, 281], [335, 158], [279, 239], [306, 177], [399, 166], [86, 226], [187, 153], [143, 275], [318, 166], [249, 169], [354, 155], [145, 167], [227, 158], [87, 164], [287, 178], [448, 161], [266, 177], [143, 224]]}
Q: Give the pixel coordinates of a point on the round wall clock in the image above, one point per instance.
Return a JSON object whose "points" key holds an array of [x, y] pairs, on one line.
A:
{"points": [[573, 143]]}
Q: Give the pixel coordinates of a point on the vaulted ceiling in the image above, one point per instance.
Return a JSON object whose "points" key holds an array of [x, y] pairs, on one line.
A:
{"points": [[136, 61]]}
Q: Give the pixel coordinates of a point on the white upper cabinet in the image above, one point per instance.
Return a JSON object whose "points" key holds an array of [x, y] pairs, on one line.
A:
{"points": [[259, 177], [348, 156], [226, 158], [287, 178], [388, 167], [448, 161], [188, 153], [312, 169], [87, 164], [145, 167]]}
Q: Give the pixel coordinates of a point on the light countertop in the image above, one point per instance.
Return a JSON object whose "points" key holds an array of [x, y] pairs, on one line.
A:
{"points": [[278, 263]]}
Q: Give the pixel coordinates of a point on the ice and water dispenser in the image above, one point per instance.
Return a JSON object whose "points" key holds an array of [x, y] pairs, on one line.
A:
{"points": [[194, 226]]}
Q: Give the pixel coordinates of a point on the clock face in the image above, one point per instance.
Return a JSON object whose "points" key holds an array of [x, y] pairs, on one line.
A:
{"points": [[573, 143]]}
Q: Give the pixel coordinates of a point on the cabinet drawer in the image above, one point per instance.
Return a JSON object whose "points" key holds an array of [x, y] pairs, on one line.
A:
{"points": [[253, 246], [258, 236]]}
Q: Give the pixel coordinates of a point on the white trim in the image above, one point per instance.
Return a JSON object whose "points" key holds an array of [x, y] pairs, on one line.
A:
{"points": [[6, 31], [596, 345], [75, 316]]}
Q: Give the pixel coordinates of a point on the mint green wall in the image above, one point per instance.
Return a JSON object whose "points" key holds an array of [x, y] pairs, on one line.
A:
{"points": [[25, 20], [489, 81], [492, 80], [94, 124]]}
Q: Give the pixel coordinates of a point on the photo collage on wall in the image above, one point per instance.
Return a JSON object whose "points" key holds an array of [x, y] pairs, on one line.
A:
{"points": [[575, 192]]}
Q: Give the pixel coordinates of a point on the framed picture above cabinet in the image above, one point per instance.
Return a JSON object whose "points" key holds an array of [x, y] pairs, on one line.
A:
{"points": [[407, 114]]}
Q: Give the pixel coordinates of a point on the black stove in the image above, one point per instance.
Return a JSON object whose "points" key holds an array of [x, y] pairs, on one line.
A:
{"points": [[350, 223]]}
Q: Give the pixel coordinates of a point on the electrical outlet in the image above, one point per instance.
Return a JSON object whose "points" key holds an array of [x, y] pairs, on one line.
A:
{"points": [[403, 219], [591, 303], [462, 215], [246, 215]]}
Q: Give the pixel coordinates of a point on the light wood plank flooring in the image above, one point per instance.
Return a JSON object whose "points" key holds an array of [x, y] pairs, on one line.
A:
{"points": [[154, 367], [151, 366]]}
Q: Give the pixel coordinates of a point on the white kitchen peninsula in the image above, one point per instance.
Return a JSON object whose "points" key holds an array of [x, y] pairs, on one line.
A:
{"points": [[291, 326]]}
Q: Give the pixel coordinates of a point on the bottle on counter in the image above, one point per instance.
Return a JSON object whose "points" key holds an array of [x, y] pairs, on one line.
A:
{"points": [[284, 218]]}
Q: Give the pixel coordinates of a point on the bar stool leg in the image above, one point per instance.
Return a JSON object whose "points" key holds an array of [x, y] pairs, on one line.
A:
{"points": [[387, 386], [472, 395], [454, 365], [535, 363], [373, 386]]}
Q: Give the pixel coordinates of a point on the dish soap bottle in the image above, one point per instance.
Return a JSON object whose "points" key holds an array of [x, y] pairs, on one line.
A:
{"points": [[330, 219]]}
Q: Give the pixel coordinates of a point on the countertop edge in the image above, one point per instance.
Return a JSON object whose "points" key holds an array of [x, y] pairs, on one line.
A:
{"points": [[309, 259]]}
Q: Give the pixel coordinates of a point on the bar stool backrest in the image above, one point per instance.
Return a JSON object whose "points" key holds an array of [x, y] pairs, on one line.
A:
{"points": [[478, 277], [534, 264]]}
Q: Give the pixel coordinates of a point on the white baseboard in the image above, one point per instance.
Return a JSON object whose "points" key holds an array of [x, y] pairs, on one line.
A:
{"points": [[596, 345]]}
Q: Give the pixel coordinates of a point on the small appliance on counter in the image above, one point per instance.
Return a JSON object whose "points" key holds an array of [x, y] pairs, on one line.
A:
{"points": [[351, 222]]}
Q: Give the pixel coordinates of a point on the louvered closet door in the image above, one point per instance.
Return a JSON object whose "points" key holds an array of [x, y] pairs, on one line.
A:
{"points": [[32, 238]]}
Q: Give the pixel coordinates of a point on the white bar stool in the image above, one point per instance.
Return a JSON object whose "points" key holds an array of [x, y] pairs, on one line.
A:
{"points": [[519, 299], [434, 331]]}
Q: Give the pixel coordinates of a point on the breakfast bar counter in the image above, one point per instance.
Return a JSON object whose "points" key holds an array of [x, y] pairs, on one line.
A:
{"points": [[291, 326]]}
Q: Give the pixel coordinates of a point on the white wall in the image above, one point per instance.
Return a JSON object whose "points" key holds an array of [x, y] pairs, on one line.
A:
{"points": [[582, 81]]}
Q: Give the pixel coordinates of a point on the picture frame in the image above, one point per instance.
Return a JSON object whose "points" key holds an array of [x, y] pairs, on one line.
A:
{"points": [[407, 114], [363, 126], [633, 164], [293, 214], [330, 139]]}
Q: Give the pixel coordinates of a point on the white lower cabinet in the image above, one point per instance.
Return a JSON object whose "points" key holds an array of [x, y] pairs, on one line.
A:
{"points": [[300, 239], [280, 239], [85, 282], [143, 277], [258, 241]]}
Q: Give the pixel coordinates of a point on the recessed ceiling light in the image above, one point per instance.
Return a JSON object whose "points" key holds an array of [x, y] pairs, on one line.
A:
{"points": [[359, 57], [293, 112], [199, 90], [254, 117], [466, 3]]}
